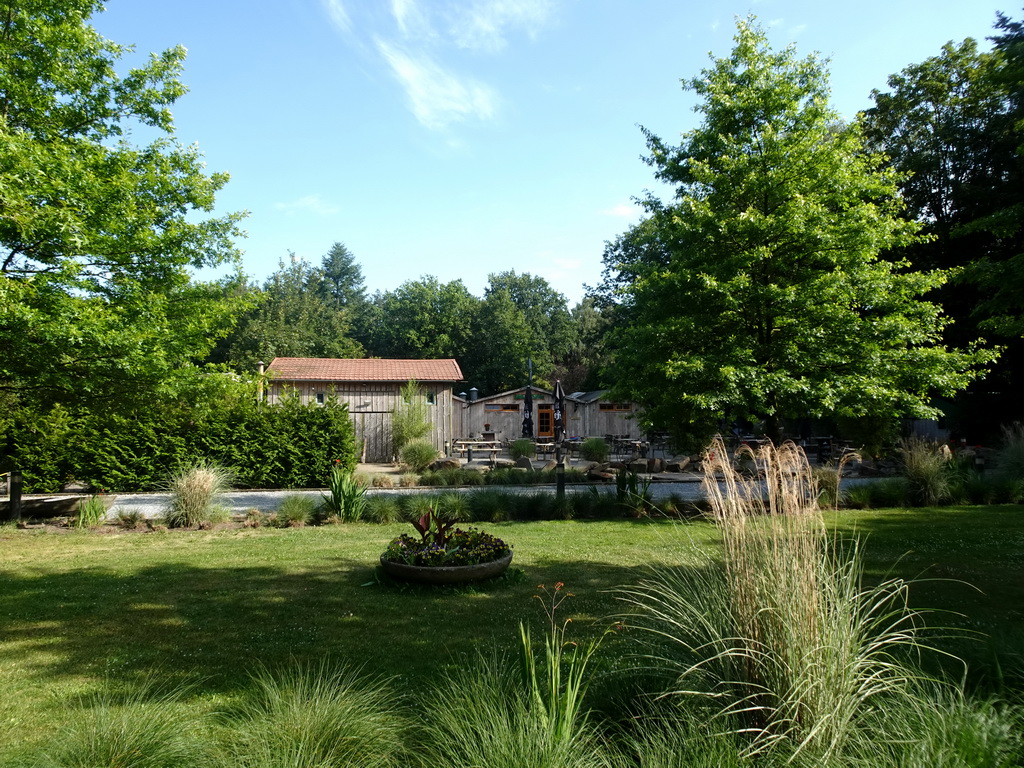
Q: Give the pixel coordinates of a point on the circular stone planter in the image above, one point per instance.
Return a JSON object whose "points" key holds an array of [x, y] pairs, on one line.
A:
{"points": [[445, 574]]}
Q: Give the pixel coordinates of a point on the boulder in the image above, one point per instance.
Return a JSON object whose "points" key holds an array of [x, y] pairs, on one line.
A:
{"points": [[678, 464], [524, 462], [600, 477], [654, 466], [549, 466], [444, 464], [638, 465]]}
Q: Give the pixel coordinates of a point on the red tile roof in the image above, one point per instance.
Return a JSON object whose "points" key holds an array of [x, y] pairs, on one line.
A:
{"points": [[324, 369]]}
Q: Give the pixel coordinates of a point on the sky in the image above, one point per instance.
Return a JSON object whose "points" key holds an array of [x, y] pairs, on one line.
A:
{"points": [[460, 138]]}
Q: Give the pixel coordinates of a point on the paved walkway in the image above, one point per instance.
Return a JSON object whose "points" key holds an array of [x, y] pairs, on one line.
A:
{"points": [[685, 486]]}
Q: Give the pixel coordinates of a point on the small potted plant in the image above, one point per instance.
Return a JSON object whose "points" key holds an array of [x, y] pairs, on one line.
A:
{"points": [[444, 554]]}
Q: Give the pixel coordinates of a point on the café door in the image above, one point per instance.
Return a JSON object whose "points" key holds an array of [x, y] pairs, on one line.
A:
{"points": [[545, 421]]}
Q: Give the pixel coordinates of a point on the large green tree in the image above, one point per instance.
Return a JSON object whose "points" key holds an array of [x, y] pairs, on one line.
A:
{"points": [[98, 236], [951, 126], [758, 291]]}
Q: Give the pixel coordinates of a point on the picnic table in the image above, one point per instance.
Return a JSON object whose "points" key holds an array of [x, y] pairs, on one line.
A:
{"points": [[490, 447]]}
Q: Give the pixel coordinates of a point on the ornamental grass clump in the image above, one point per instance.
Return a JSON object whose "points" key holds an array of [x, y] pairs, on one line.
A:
{"points": [[147, 728], [927, 471], [195, 491], [497, 714], [778, 634], [91, 512], [347, 500], [314, 717]]}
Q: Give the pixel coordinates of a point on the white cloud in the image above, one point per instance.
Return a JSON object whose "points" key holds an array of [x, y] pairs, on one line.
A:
{"points": [[338, 15], [483, 26], [308, 203], [412, 21], [437, 96], [622, 211]]}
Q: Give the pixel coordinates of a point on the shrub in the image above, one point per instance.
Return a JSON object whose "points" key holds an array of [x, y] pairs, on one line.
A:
{"points": [[296, 511], [488, 505], [381, 480], [594, 449], [408, 480], [130, 518], [382, 509], [194, 491], [508, 476], [522, 447], [1009, 459], [409, 420], [418, 454], [255, 518], [453, 507]]}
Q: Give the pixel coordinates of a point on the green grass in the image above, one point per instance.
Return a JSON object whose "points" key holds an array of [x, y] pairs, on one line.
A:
{"points": [[82, 611]]}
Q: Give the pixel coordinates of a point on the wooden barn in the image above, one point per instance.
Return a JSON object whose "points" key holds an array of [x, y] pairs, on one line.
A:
{"points": [[587, 414], [371, 389], [598, 416], [500, 416]]}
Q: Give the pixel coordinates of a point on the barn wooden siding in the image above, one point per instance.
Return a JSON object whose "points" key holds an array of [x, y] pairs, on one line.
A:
{"points": [[583, 418], [371, 404], [595, 422]]}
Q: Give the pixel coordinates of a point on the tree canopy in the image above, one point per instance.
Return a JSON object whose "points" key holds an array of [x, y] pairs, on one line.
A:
{"points": [[757, 292], [951, 126], [99, 237]]}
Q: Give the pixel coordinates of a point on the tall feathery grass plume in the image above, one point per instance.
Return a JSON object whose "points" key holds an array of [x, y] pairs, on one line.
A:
{"points": [[777, 630], [195, 491]]}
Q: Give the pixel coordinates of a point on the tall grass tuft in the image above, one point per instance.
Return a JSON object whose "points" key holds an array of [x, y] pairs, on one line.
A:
{"points": [[418, 454], [144, 729], [313, 717], [347, 502], [296, 511], [195, 491], [927, 471], [779, 633], [1010, 457], [91, 512], [489, 716]]}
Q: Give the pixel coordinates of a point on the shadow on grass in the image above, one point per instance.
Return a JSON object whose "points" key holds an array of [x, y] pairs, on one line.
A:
{"points": [[211, 627]]}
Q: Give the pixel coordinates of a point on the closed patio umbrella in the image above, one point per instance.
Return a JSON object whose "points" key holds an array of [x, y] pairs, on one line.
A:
{"points": [[559, 414], [528, 414]]}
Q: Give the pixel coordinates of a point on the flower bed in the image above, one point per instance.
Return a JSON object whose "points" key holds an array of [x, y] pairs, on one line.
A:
{"points": [[462, 547], [445, 555]]}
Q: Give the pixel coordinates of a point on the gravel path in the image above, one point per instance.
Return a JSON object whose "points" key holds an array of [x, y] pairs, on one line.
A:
{"points": [[687, 487]]}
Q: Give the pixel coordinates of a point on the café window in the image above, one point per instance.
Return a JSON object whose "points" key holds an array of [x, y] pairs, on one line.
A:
{"points": [[514, 407], [615, 407]]}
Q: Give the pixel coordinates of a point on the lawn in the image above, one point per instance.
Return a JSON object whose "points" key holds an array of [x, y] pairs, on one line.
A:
{"points": [[83, 610]]}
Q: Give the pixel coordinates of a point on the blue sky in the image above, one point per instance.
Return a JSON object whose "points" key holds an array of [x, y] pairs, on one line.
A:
{"points": [[460, 138]]}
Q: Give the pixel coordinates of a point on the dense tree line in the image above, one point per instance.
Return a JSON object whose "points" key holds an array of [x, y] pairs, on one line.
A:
{"points": [[324, 311]]}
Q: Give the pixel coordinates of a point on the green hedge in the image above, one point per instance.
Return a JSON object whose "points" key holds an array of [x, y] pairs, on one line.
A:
{"points": [[267, 446]]}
